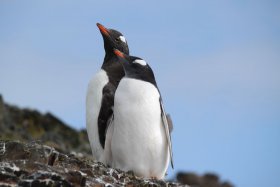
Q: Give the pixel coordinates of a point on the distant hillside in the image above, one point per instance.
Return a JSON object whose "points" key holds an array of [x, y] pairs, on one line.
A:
{"points": [[30, 125]]}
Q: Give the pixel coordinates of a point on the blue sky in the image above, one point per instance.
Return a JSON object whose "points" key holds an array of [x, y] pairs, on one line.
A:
{"points": [[217, 64]]}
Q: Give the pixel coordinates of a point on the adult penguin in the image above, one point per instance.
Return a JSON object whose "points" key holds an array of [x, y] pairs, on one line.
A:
{"points": [[139, 137], [101, 90]]}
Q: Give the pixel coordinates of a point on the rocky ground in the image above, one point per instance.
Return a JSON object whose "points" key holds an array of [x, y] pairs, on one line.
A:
{"points": [[35, 150], [34, 164]]}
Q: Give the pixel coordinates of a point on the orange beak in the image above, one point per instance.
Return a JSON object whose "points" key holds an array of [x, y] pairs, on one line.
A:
{"points": [[118, 53], [103, 29]]}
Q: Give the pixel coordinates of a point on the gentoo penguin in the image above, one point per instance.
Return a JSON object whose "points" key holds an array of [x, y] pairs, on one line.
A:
{"points": [[139, 135], [101, 90]]}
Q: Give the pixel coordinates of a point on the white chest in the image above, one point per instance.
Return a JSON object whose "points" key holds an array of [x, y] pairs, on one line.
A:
{"points": [[138, 141], [137, 100], [93, 105], [95, 88]]}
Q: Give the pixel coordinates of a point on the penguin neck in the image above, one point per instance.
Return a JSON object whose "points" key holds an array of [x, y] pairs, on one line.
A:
{"points": [[113, 68], [109, 61], [141, 77], [142, 74]]}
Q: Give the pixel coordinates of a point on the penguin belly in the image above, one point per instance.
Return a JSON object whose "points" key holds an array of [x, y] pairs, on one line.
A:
{"points": [[93, 105], [138, 140]]}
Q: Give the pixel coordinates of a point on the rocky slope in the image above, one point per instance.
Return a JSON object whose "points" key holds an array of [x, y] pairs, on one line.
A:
{"points": [[34, 164], [50, 158]]}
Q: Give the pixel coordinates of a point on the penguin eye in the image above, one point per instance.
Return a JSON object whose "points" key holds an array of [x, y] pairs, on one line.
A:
{"points": [[118, 40]]}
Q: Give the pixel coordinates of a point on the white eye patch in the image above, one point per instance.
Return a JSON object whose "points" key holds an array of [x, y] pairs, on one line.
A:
{"points": [[122, 38], [141, 62]]}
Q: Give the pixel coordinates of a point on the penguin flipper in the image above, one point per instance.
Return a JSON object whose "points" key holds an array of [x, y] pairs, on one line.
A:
{"points": [[170, 123], [107, 155], [165, 120], [106, 111]]}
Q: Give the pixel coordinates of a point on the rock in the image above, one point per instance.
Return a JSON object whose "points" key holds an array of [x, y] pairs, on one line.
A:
{"points": [[35, 164], [188, 178], [207, 180]]}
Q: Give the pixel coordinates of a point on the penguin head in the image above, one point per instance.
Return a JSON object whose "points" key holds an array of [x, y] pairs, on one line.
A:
{"points": [[113, 39], [136, 68]]}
